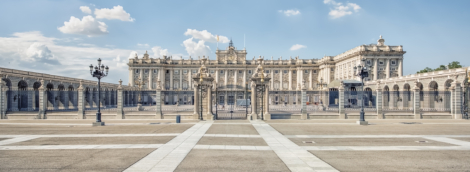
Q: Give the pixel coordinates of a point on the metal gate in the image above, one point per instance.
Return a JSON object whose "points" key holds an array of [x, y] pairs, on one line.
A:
{"points": [[232, 108]]}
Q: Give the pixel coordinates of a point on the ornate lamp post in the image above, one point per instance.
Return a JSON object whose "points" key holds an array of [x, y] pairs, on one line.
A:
{"points": [[321, 85], [139, 84], [99, 72], [362, 72], [260, 89]]}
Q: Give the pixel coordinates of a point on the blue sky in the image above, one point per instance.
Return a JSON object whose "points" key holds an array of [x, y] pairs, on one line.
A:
{"points": [[34, 36]]}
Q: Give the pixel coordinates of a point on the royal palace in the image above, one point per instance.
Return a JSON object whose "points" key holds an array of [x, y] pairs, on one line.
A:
{"points": [[234, 86]]}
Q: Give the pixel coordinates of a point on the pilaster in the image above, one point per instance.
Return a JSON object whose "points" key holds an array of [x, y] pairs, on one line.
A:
{"points": [[416, 103], [458, 101], [304, 103], [342, 114], [81, 102], [379, 103], [267, 115], [120, 102]]}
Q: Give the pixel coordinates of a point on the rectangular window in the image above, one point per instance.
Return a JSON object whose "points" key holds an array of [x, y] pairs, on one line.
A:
{"points": [[221, 71], [212, 71], [167, 71], [240, 71], [177, 71], [368, 62], [267, 71], [249, 71], [194, 71], [381, 62], [305, 71], [146, 71], [155, 71], [332, 69], [185, 71], [285, 71], [293, 72], [393, 62], [276, 71], [314, 71], [137, 71]]}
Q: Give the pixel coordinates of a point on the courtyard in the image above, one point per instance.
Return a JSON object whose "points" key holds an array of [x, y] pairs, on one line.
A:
{"points": [[235, 145]]}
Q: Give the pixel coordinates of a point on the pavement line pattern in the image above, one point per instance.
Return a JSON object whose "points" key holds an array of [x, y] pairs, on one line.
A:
{"points": [[17, 139], [449, 140], [383, 148], [232, 147], [372, 136], [295, 157], [232, 135], [51, 147], [170, 155], [92, 135]]}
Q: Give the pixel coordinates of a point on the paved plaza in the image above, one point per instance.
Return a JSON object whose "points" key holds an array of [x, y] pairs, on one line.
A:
{"points": [[235, 145]]}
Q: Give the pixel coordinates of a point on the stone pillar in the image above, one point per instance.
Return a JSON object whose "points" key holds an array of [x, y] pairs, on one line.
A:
{"points": [[14, 94], [342, 114], [196, 102], [387, 69], [120, 102], [290, 79], [161, 77], [158, 102], [30, 99], [131, 77], [272, 80], [254, 115], [171, 79], [217, 76], [400, 67], [416, 102], [81, 102], [457, 100], [379, 103], [180, 86], [150, 84], [376, 61], [209, 115], [304, 103], [310, 84], [244, 79], [281, 72], [225, 79], [267, 115], [42, 101]]}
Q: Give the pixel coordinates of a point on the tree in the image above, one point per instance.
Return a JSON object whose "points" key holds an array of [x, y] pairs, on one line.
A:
{"points": [[441, 67], [427, 69], [454, 64]]}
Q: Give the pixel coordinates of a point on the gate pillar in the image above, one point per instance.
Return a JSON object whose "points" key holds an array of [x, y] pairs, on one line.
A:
{"points": [[304, 101], [379, 102], [457, 100], [42, 101], [342, 114], [81, 101], [158, 101], [203, 82], [3, 98], [120, 102], [259, 95], [416, 102]]}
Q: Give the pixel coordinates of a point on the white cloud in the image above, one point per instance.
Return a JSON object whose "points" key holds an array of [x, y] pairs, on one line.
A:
{"points": [[290, 12], [205, 36], [133, 54], [38, 52], [340, 10], [160, 52], [117, 13], [85, 9], [142, 45], [87, 26], [196, 48], [297, 46], [31, 51], [119, 62]]}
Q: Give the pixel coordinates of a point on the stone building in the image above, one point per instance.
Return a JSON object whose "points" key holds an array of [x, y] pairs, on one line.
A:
{"points": [[232, 70]]}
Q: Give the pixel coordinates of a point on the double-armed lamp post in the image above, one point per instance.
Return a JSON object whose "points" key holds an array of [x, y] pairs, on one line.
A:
{"points": [[99, 72], [362, 72]]}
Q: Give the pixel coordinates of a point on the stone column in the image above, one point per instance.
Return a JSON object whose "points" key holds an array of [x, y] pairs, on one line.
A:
{"points": [[376, 61], [42, 101], [150, 84], [267, 115], [226, 79], [400, 67], [158, 102], [180, 86], [458, 100], [290, 79], [304, 103], [171, 79], [161, 77], [244, 78], [209, 115], [81, 101], [272, 80], [416, 101], [310, 85], [280, 79], [254, 115], [235, 79], [379, 103], [387, 69], [120, 103], [196, 102], [342, 114], [217, 76], [131, 76]]}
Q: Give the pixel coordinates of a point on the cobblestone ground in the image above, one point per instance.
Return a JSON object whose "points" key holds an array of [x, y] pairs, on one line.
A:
{"points": [[235, 145]]}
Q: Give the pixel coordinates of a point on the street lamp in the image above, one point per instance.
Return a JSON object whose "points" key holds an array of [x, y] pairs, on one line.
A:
{"points": [[99, 72], [362, 72], [321, 85]]}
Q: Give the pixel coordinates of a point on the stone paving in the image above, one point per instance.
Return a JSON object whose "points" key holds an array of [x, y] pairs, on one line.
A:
{"points": [[235, 145]]}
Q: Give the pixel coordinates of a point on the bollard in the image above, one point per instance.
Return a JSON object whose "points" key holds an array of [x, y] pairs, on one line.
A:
{"points": [[178, 118]]}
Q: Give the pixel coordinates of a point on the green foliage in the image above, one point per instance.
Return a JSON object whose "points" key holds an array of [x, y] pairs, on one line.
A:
{"points": [[452, 65]]}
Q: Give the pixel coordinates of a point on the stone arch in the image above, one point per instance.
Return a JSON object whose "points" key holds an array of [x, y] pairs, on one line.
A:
{"points": [[70, 88], [386, 97], [61, 87], [396, 87], [7, 82], [433, 86], [448, 84], [406, 87], [50, 86], [22, 85], [36, 85]]}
